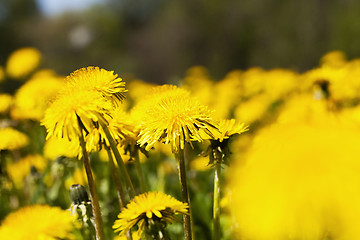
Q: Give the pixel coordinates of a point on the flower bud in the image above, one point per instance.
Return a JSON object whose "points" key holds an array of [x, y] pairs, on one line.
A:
{"points": [[78, 194]]}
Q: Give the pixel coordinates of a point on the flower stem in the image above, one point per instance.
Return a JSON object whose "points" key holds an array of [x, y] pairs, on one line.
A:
{"points": [[216, 206], [119, 161], [100, 235], [116, 178], [143, 186], [184, 192]]}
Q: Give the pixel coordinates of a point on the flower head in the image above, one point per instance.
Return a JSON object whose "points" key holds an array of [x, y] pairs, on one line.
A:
{"points": [[37, 222], [61, 118], [12, 139], [22, 62], [20, 169], [5, 102], [228, 128], [170, 115], [155, 206], [58, 147], [298, 180], [218, 150], [98, 79], [32, 98]]}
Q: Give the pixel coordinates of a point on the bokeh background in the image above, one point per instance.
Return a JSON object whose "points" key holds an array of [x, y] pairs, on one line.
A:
{"points": [[159, 40]]}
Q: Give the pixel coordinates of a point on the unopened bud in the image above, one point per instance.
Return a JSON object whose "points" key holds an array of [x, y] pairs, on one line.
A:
{"points": [[78, 194]]}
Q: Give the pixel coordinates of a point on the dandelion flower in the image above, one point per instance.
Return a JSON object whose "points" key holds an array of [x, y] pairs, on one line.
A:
{"points": [[61, 118], [170, 115], [22, 62], [228, 128], [32, 98], [37, 222], [5, 103], [61, 147], [298, 181], [20, 169], [98, 79], [12, 139], [218, 151], [155, 206]]}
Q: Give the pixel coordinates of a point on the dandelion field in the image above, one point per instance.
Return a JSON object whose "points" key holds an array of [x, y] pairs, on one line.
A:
{"points": [[259, 154]]}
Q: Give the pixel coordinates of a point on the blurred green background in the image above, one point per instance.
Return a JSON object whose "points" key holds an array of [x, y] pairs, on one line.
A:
{"points": [[159, 40]]}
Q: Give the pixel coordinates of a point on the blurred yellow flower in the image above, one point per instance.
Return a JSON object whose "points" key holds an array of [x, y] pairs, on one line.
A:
{"points": [[11, 139], [5, 103], [37, 222], [333, 59], [57, 147], [170, 115], [298, 182], [22, 62], [198, 82], [253, 109], [20, 169], [32, 98], [138, 89], [228, 94], [157, 206], [97, 79], [200, 164]]}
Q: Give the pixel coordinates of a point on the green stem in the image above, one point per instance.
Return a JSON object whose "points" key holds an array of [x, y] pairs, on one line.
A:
{"points": [[143, 186], [184, 192], [119, 161], [116, 178], [100, 235], [216, 207]]}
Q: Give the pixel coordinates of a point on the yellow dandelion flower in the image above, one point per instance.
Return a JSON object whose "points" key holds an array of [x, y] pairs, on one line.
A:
{"points": [[22, 62], [228, 93], [157, 206], [58, 147], [20, 169], [32, 98], [218, 150], [298, 182], [170, 115], [5, 103], [229, 127], [61, 118], [11, 139], [37, 222], [334, 59], [97, 79]]}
